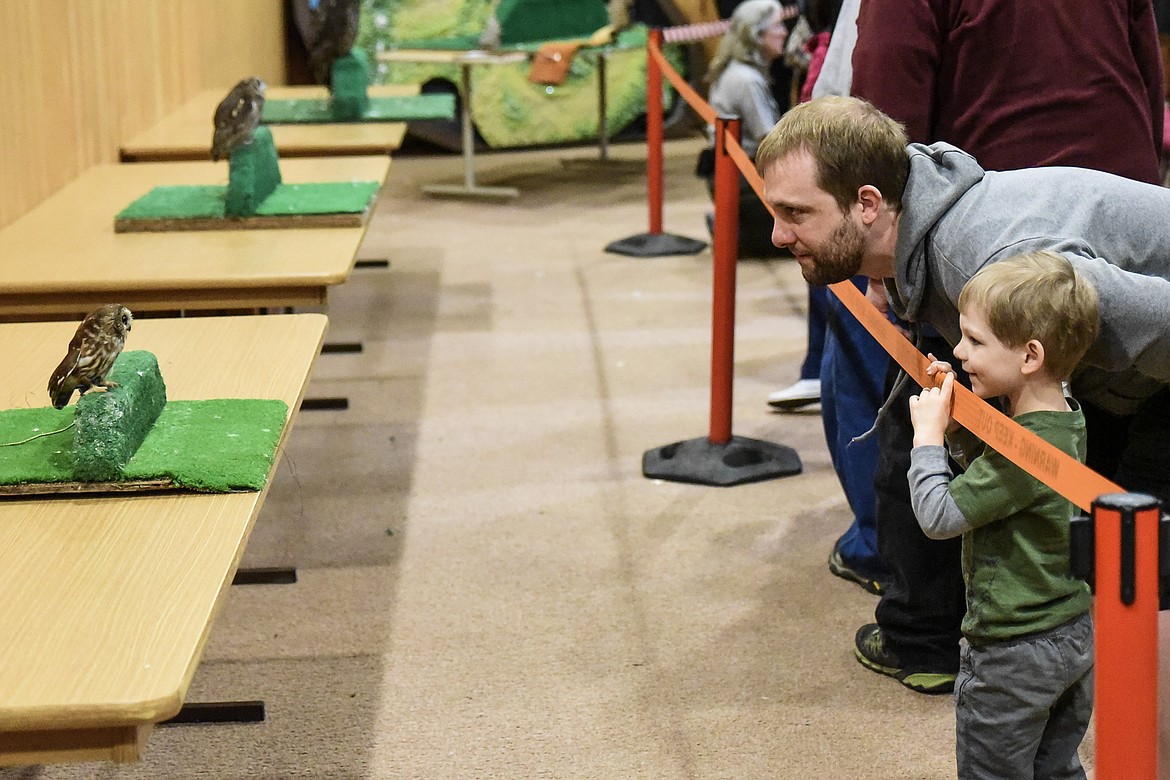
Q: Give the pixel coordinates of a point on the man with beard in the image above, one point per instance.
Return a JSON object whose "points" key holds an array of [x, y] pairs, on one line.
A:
{"points": [[851, 197]]}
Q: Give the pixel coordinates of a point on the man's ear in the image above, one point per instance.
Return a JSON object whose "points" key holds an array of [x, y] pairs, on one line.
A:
{"points": [[870, 199], [1033, 357]]}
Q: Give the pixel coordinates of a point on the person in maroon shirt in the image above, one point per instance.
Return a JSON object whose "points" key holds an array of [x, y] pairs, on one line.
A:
{"points": [[1018, 85]]}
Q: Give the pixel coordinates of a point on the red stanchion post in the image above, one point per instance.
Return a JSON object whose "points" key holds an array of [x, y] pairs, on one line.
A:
{"points": [[654, 176], [726, 255], [1126, 636], [657, 243]]}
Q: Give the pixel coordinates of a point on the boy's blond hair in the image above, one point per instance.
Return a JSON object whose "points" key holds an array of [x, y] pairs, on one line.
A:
{"points": [[852, 142], [1037, 295]]}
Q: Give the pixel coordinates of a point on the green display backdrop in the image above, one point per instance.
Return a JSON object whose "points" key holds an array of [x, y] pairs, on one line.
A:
{"points": [[509, 110]]}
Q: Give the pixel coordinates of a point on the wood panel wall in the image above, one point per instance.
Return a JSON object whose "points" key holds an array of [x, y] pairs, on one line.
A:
{"points": [[78, 77]]}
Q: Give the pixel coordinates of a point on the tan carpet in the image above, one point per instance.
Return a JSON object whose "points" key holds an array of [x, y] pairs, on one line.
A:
{"points": [[488, 586]]}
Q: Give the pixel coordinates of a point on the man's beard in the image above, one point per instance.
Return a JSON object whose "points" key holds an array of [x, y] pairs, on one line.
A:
{"points": [[839, 256]]}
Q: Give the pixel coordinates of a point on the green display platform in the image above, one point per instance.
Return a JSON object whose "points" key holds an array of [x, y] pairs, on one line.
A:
{"points": [[202, 207], [216, 446], [380, 109]]}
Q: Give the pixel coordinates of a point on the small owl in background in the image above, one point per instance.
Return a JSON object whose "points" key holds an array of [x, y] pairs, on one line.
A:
{"points": [[335, 29], [92, 351], [237, 117], [619, 14], [489, 39]]}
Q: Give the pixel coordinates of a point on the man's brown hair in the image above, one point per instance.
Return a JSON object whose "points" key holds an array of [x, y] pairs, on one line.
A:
{"points": [[852, 142]]}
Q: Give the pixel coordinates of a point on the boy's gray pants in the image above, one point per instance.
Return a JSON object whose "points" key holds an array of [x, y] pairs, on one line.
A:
{"points": [[1022, 706]]}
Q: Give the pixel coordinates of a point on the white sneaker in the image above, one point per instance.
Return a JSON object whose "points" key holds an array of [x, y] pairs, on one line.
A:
{"points": [[801, 393]]}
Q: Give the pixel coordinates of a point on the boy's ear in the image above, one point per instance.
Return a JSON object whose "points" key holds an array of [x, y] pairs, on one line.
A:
{"points": [[1033, 357]]}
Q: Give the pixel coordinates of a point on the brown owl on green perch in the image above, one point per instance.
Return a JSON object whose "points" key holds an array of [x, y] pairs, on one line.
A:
{"points": [[334, 26], [92, 351], [237, 117]]}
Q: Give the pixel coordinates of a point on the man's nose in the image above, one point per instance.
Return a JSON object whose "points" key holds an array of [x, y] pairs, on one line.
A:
{"points": [[781, 235]]}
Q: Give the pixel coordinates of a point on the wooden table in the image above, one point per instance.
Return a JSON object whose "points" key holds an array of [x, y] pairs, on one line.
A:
{"points": [[465, 60], [106, 602], [185, 133], [64, 258]]}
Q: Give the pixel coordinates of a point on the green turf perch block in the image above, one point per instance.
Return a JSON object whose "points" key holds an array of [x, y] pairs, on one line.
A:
{"points": [[253, 175], [111, 425], [351, 81]]}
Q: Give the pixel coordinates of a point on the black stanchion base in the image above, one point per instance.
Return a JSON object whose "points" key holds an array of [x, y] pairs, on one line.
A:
{"points": [[655, 245], [739, 461]]}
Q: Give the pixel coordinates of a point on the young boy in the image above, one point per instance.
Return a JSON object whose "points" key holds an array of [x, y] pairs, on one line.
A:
{"points": [[1024, 692]]}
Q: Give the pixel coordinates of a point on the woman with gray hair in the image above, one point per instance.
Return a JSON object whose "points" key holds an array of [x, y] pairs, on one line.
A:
{"points": [[741, 86]]}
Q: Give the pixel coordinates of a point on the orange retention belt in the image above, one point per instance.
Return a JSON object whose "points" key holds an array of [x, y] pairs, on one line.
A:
{"points": [[1064, 474]]}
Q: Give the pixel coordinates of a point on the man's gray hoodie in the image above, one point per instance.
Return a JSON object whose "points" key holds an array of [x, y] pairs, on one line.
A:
{"points": [[957, 218]]}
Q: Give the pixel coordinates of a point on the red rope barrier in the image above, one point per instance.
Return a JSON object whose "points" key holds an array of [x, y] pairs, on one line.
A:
{"points": [[689, 33], [694, 100]]}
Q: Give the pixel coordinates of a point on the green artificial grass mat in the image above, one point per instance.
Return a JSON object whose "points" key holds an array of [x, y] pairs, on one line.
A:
{"points": [[217, 446], [207, 200], [380, 109]]}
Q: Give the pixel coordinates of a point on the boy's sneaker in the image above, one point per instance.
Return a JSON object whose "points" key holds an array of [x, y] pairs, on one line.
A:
{"points": [[872, 653], [840, 568]]}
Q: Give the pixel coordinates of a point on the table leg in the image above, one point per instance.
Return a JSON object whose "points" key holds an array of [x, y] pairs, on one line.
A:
{"points": [[334, 347], [218, 712], [469, 188], [319, 404], [372, 263], [467, 127], [603, 158], [272, 575], [602, 121]]}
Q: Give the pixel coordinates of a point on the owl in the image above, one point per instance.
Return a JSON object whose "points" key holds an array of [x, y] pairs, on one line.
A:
{"points": [[92, 351], [489, 39], [620, 14], [335, 28], [237, 117]]}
